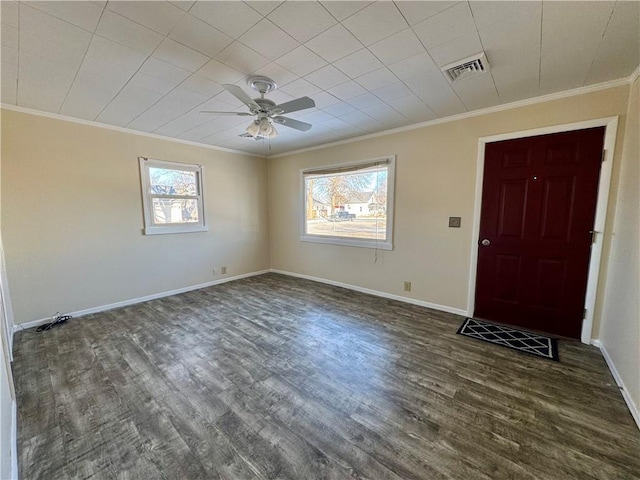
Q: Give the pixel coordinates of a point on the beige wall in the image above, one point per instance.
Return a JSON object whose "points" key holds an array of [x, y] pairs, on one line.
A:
{"points": [[620, 331], [72, 217], [72, 214], [7, 392], [435, 179]]}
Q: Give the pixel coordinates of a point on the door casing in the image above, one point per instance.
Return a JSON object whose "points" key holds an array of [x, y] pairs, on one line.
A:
{"points": [[611, 127]]}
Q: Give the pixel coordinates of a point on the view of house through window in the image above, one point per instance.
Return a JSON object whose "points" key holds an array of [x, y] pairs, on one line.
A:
{"points": [[349, 202], [172, 196]]}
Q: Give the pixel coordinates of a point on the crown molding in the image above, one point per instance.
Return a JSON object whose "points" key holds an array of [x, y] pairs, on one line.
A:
{"points": [[91, 123], [475, 113]]}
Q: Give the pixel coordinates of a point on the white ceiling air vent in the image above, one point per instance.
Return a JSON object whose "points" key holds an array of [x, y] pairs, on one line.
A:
{"points": [[468, 67], [248, 135]]}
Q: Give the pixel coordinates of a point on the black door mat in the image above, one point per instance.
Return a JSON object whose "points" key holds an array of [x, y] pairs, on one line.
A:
{"points": [[520, 340]]}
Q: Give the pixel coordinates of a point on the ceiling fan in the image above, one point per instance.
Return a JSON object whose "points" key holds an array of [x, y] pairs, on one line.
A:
{"points": [[266, 110]]}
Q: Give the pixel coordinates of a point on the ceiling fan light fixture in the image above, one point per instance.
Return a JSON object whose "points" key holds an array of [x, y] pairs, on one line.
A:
{"points": [[262, 128], [265, 126], [253, 129]]}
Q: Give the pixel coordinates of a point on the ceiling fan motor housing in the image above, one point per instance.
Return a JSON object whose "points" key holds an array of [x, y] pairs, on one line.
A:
{"points": [[267, 107]]}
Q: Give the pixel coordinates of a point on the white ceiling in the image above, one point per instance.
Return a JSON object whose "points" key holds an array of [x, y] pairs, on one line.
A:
{"points": [[369, 66]]}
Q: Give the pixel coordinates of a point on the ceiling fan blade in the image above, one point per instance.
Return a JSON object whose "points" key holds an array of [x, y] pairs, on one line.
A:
{"points": [[241, 95], [242, 114], [291, 123], [297, 104]]}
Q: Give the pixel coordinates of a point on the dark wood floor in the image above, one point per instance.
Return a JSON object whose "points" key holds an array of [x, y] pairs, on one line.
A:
{"points": [[272, 377]]}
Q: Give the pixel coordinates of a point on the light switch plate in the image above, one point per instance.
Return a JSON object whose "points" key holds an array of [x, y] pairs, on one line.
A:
{"points": [[454, 222]]}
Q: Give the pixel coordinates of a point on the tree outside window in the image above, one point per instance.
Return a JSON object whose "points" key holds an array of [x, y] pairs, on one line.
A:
{"points": [[172, 197], [349, 204]]}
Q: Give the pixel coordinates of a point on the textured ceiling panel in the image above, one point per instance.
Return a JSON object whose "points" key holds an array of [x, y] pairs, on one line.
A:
{"points": [[369, 66]]}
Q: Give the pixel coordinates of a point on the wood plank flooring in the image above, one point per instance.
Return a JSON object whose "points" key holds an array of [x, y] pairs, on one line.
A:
{"points": [[273, 377]]}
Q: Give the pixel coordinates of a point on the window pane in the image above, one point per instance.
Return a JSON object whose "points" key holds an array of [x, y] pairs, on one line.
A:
{"points": [[175, 210], [166, 181], [351, 205]]}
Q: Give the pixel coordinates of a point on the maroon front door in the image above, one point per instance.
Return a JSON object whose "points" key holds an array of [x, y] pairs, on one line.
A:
{"points": [[538, 207]]}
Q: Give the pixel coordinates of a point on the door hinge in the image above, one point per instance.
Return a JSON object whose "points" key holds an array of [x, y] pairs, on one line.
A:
{"points": [[604, 154], [584, 314], [594, 234]]}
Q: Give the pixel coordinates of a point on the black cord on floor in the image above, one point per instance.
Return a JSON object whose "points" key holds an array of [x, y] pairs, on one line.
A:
{"points": [[57, 319]]}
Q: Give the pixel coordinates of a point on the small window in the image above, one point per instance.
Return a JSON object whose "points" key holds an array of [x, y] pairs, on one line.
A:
{"points": [[349, 204], [171, 197]]}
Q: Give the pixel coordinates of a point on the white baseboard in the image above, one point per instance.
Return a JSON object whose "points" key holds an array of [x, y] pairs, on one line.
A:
{"points": [[132, 301], [633, 408], [377, 293]]}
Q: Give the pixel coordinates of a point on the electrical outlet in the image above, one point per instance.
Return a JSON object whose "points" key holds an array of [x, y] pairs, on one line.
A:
{"points": [[223, 270], [407, 286]]}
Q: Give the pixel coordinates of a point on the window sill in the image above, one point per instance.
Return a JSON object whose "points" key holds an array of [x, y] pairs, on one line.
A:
{"points": [[174, 229], [349, 242]]}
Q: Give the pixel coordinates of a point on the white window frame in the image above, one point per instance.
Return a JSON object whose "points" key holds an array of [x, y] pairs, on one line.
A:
{"points": [[348, 241], [151, 228]]}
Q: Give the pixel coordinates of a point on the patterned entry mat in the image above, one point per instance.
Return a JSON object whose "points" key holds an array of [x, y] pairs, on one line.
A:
{"points": [[520, 340]]}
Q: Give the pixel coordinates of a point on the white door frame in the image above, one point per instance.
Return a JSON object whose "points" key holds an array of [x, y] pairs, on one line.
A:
{"points": [[7, 323], [611, 127], [6, 350]]}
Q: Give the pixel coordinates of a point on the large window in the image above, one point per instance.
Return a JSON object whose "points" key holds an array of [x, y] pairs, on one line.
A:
{"points": [[172, 197], [350, 204]]}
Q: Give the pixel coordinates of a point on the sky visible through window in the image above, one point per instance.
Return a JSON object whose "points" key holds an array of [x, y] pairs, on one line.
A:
{"points": [[174, 182]]}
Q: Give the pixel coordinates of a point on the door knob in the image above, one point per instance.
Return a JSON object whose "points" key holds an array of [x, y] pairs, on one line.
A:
{"points": [[485, 242]]}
